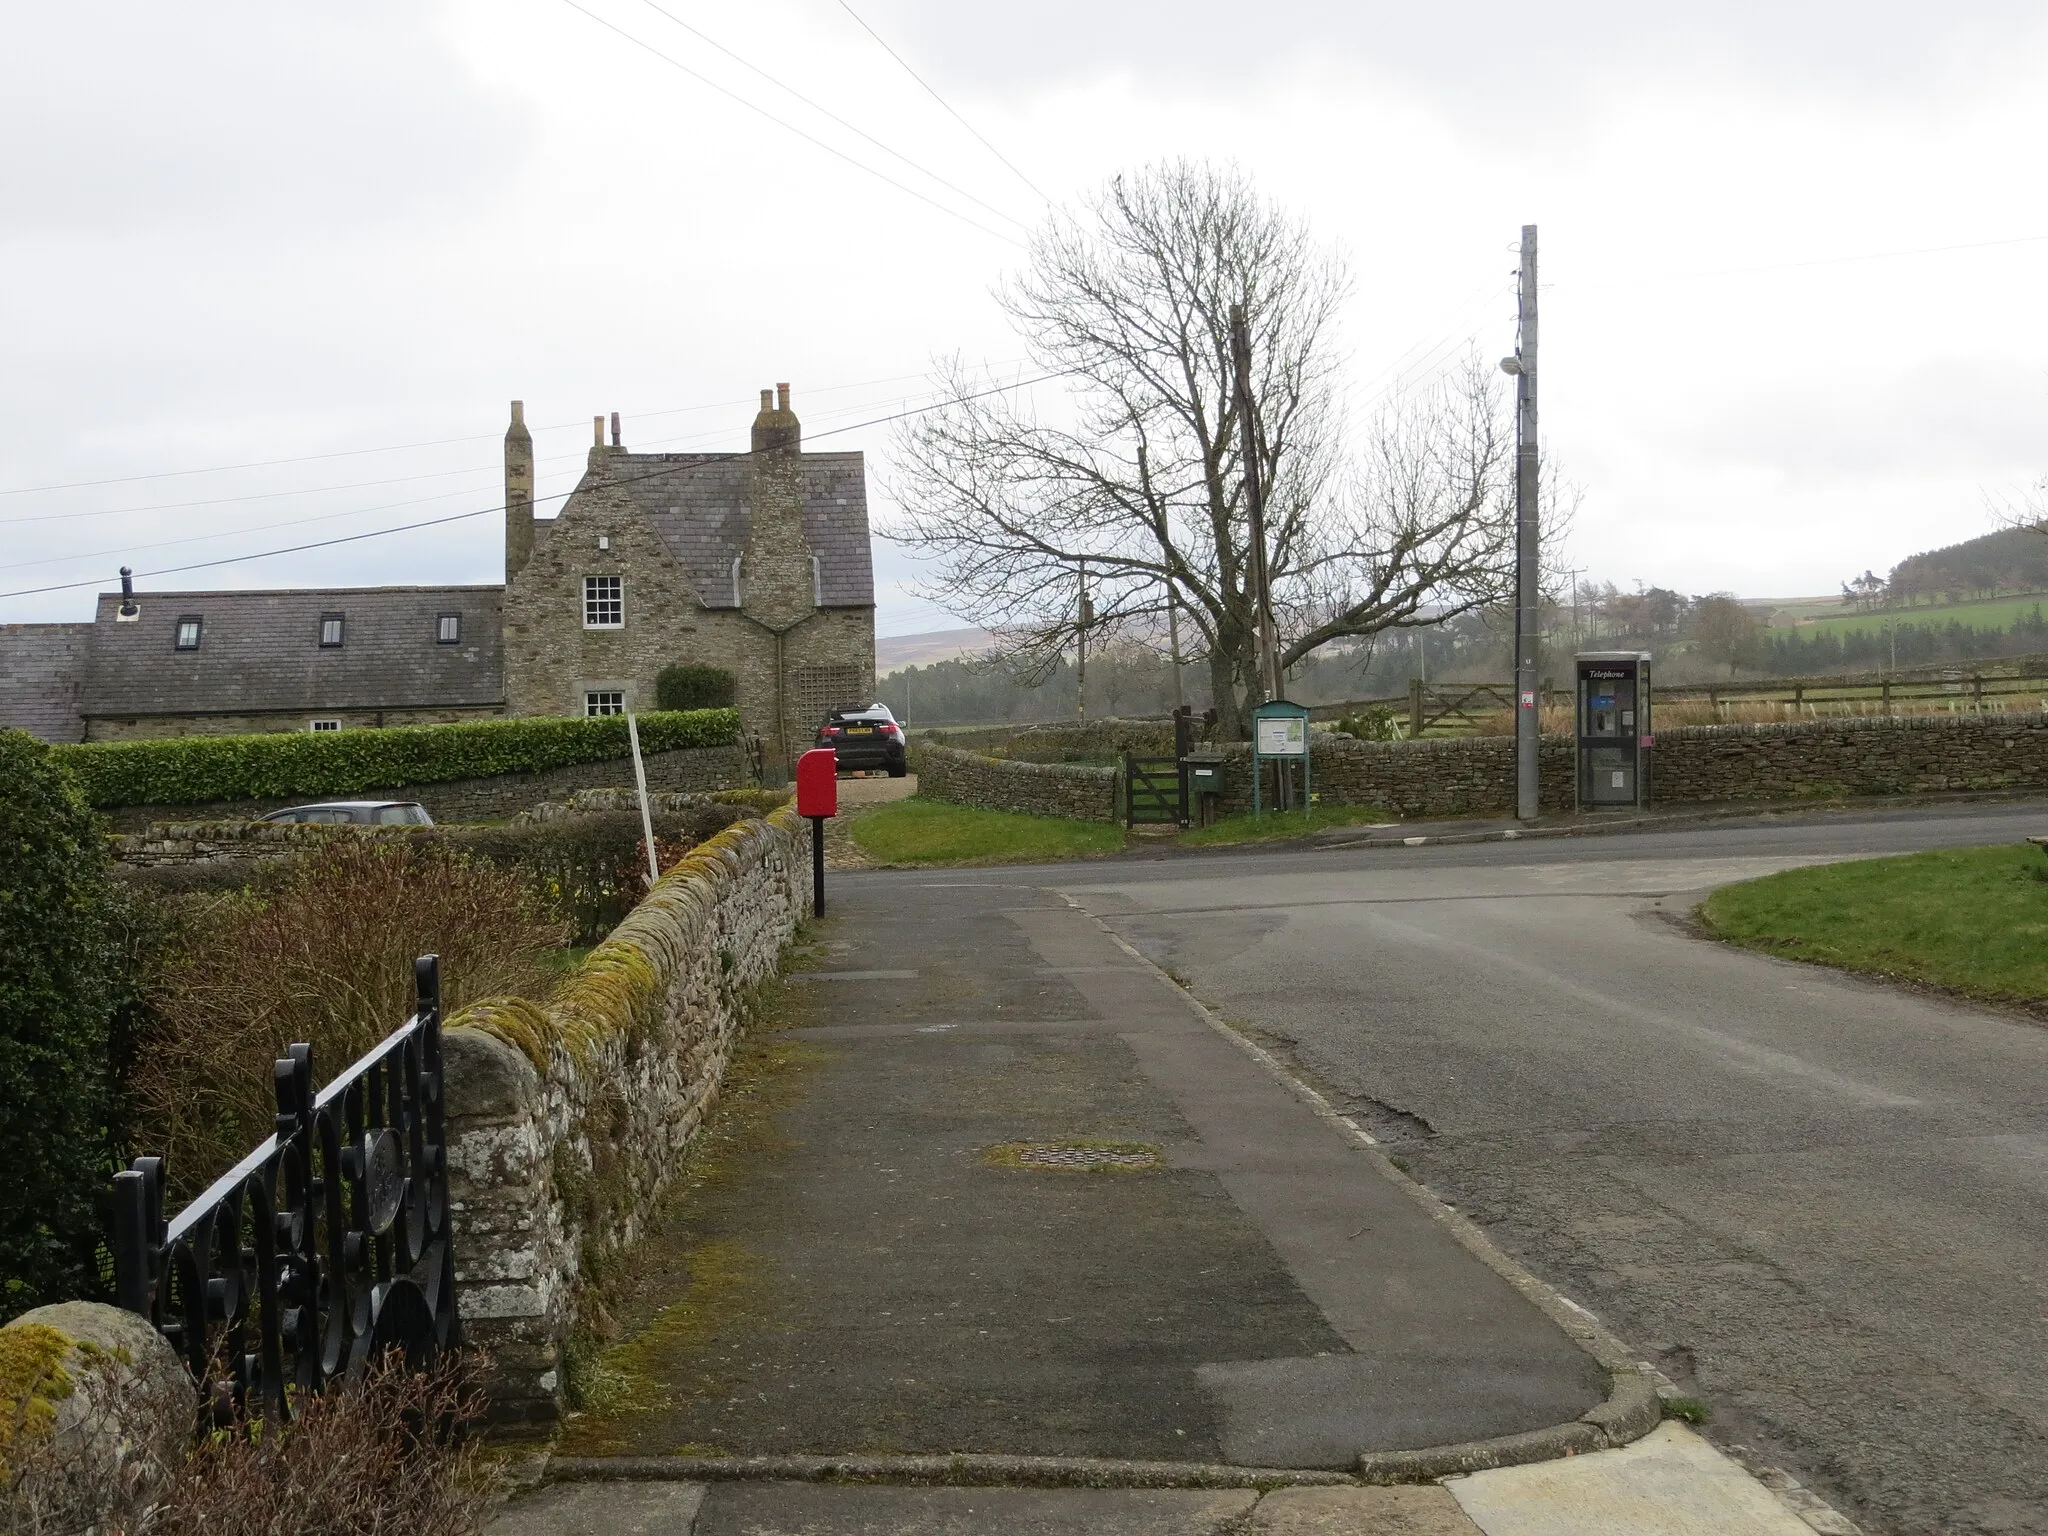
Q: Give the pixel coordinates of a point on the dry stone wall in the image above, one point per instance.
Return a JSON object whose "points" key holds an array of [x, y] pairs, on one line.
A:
{"points": [[1691, 765], [692, 770], [568, 1120], [997, 784]]}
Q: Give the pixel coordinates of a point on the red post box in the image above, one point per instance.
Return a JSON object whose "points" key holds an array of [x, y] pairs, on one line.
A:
{"points": [[817, 783], [817, 796]]}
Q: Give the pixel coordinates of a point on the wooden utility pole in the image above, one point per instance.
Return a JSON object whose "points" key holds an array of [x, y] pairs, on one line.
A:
{"points": [[1173, 645], [1255, 504], [1083, 615], [1528, 701]]}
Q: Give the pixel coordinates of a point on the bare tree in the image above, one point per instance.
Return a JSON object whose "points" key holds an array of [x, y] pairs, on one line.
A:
{"points": [[1141, 480]]}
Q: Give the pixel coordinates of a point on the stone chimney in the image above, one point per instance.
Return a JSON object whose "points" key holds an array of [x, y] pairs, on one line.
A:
{"points": [[776, 426], [518, 492], [778, 582]]}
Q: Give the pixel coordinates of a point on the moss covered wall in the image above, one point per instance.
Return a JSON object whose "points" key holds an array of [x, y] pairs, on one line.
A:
{"points": [[568, 1120]]}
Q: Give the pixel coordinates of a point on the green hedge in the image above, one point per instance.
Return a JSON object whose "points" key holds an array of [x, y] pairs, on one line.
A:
{"points": [[196, 769], [690, 687]]}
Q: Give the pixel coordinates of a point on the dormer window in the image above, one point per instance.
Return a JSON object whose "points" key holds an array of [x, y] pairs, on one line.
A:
{"points": [[448, 629], [188, 632], [330, 631], [604, 602]]}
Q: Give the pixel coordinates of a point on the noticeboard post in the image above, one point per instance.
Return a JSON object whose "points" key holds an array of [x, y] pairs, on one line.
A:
{"points": [[1279, 734]]}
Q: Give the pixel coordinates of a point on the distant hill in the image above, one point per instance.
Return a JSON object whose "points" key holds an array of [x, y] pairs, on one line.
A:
{"points": [[2010, 560], [895, 651]]}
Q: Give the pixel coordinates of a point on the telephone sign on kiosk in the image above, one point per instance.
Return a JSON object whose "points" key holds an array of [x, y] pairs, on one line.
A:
{"points": [[1613, 728]]}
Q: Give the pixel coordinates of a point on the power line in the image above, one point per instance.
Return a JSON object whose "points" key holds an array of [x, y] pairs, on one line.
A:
{"points": [[456, 517], [935, 96], [713, 42], [351, 513], [346, 453], [784, 123]]}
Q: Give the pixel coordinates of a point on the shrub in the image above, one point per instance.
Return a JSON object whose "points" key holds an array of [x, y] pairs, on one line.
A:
{"points": [[590, 868], [57, 991], [1377, 722], [325, 957], [686, 687], [196, 769], [392, 1453]]}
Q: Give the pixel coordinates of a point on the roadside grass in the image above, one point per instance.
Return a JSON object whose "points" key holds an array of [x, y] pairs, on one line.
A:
{"points": [[1971, 919], [1274, 825], [918, 831]]}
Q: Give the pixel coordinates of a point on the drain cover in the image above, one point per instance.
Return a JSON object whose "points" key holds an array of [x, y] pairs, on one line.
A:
{"points": [[1075, 1156]]}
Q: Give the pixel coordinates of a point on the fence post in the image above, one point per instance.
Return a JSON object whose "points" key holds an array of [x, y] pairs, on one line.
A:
{"points": [[1977, 681], [1414, 708], [1130, 781], [1887, 696]]}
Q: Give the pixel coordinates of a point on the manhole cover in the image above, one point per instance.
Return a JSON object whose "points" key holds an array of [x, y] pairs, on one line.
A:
{"points": [[1075, 1156]]}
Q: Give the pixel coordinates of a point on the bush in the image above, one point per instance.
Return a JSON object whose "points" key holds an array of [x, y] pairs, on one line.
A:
{"points": [[1377, 722], [590, 868], [693, 688], [390, 1453], [58, 988], [196, 769], [325, 956]]}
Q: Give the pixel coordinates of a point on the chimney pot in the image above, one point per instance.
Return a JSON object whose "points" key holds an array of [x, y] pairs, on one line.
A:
{"points": [[767, 399], [597, 431], [616, 443], [782, 397], [518, 413]]}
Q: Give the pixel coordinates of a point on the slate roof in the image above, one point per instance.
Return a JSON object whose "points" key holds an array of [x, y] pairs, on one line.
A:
{"points": [[261, 651], [41, 666], [700, 511]]}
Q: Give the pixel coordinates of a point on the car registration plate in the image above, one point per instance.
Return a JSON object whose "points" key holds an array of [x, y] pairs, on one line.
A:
{"points": [[860, 730]]}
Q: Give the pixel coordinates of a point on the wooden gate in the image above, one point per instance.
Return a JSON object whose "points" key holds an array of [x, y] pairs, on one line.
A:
{"points": [[1155, 792]]}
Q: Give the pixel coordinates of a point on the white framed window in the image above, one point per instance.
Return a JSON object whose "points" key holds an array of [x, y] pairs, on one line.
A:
{"points": [[604, 701], [604, 602], [448, 629], [188, 632], [330, 631], [325, 725]]}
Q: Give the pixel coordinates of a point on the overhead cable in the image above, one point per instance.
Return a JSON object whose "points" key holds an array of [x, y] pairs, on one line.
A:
{"points": [[791, 90], [691, 462], [935, 96], [784, 123]]}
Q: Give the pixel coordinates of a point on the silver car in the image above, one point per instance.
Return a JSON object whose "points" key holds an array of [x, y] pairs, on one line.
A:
{"points": [[362, 813]]}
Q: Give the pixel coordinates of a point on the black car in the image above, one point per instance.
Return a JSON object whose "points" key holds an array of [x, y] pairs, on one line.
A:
{"points": [[865, 736]]}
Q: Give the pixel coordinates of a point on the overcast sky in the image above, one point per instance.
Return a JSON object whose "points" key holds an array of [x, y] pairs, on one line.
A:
{"points": [[241, 232]]}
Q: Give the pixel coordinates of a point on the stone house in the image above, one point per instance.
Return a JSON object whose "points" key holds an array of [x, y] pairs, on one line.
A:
{"points": [[757, 563]]}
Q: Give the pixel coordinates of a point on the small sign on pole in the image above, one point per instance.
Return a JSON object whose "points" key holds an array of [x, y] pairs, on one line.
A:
{"points": [[646, 816], [1280, 732]]}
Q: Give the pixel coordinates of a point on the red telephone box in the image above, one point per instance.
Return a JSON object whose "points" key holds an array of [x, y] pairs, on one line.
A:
{"points": [[817, 783], [817, 796]]}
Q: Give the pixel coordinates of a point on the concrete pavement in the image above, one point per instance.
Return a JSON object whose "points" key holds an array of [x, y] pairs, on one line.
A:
{"points": [[1816, 1201]]}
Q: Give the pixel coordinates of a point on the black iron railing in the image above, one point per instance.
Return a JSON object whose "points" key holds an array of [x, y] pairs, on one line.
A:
{"points": [[325, 1246]]}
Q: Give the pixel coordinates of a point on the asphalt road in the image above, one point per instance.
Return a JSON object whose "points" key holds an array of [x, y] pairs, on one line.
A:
{"points": [[1820, 1203]]}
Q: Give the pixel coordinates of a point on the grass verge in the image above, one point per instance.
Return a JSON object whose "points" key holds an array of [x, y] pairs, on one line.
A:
{"points": [[1248, 828], [918, 831], [1971, 919]]}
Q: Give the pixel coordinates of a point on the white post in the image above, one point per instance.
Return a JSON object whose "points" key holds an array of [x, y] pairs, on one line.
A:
{"points": [[646, 816]]}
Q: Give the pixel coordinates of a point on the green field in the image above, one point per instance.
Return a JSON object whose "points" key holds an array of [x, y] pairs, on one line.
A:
{"points": [[1993, 613], [919, 831], [1974, 919]]}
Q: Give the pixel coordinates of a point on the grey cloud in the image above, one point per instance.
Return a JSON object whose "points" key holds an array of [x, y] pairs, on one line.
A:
{"points": [[1490, 59], [119, 115], [1954, 417]]}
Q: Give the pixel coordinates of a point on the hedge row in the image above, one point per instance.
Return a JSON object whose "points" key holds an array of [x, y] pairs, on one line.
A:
{"points": [[194, 769]]}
